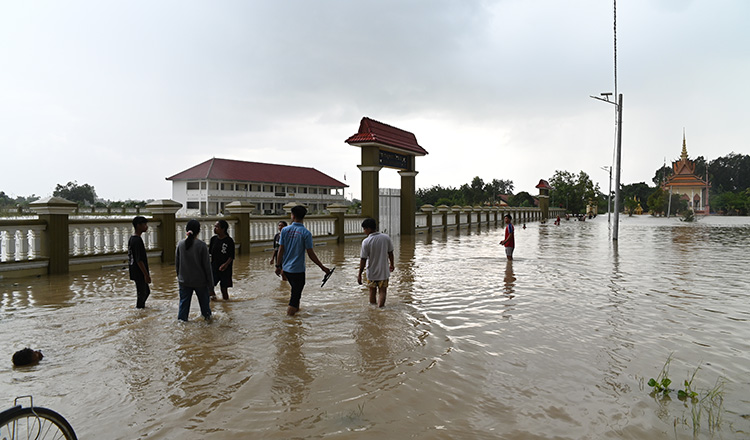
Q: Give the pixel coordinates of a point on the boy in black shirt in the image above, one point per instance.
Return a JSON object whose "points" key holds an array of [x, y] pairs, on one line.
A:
{"points": [[138, 261], [221, 249]]}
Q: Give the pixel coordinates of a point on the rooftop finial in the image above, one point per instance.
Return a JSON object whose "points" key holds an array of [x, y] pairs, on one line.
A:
{"points": [[684, 155]]}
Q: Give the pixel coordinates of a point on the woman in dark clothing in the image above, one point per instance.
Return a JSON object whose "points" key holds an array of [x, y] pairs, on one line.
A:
{"points": [[193, 272]]}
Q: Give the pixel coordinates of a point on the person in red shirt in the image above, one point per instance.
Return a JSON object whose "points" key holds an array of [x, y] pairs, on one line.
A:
{"points": [[509, 242]]}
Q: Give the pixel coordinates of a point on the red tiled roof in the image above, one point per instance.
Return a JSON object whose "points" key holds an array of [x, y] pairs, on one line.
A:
{"points": [[238, 170], [371, 131], [543, 184]]}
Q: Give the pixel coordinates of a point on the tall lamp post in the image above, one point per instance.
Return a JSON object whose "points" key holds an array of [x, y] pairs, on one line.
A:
{"points": [[609, 194], [618, 149]]}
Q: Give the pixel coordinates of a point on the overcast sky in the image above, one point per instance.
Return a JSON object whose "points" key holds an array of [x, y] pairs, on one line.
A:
{"points": [[121, 95]]}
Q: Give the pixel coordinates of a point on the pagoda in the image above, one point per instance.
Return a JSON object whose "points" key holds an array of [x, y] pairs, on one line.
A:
{"points": [[684, 181]]}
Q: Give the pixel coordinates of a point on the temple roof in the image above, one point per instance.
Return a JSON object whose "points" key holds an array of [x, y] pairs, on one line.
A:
{"points": [[237, 170], [374, 132], [684, 171]]}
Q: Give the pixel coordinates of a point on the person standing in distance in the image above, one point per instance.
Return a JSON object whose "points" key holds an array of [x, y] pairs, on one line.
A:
{"points": [[221, 249], [510, 241], [294, 242], [281, 225], [138, 262], [377, 256], [193, 272]]}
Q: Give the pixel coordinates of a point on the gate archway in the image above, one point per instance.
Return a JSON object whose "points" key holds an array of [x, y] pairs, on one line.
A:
{"points": [[386, 146]]}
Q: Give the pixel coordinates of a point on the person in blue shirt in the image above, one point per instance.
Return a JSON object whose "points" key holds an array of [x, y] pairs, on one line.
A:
{"points": [[294, 242]]}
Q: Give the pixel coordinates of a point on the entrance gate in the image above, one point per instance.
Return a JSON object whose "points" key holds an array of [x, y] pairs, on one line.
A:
{"points": [[386, 146]]}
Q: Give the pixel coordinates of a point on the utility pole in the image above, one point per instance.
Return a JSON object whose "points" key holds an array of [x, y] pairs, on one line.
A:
{"points": [[618, 155], [609, 194]]}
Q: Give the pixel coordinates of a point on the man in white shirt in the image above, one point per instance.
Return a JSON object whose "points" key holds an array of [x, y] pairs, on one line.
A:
{"points": [[377, 256]]}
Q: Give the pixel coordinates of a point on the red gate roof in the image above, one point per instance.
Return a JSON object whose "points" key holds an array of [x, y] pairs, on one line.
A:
{"points": [[374, 132]]}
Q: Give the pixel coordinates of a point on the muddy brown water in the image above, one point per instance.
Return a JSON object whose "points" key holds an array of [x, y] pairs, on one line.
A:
{"points": [[557, 344]]}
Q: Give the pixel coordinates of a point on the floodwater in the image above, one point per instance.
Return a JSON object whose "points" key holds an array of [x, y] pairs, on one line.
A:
{"points": [[559, 344]]}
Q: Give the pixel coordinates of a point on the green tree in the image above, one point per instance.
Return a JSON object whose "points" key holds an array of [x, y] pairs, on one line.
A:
{"points": [[657, 202], [573, 192], [730, 173], [640, 191], [81, 194], [662, 174], [497, 187], [630, 205]]}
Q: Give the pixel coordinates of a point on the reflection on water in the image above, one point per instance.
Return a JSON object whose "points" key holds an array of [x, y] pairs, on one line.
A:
{"points": [[554, 344]]}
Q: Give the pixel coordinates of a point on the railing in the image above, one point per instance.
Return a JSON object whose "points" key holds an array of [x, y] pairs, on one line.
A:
{"points": [[104, 240], [21, 240], [106, 236]]}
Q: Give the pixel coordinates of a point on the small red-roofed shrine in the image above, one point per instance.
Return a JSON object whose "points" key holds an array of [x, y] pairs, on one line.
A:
{"points": [[684, 181], [383, 145]]}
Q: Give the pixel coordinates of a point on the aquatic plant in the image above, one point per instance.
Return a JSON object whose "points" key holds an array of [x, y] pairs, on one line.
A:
{"points": [[688, 216], [662, 381], [709, 401]]}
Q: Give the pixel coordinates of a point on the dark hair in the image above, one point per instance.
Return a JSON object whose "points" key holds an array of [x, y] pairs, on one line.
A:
{"points": [[137, 220], [23, 357], [370, 223], [223, 225], [282, 222], [193, 229], [508, 216], [299, 212]]}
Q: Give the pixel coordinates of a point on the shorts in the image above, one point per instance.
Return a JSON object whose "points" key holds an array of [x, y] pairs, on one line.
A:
{"points": [[509, 251], [223, 276], [297, 281], [377, 284]]}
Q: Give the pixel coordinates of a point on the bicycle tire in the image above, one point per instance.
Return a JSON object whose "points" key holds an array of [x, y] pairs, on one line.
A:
{"points": [[38, 423]]}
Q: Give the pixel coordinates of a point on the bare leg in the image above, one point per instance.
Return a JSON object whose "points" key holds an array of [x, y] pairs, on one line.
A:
{"points": [[224, 293], [382, 293], [373, 292], [290, 311]]}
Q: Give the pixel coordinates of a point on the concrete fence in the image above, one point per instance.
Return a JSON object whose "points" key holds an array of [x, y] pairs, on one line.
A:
{"points": [[58, 240]]}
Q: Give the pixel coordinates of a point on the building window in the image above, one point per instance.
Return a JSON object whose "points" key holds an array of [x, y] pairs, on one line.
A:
{"points": [[193, 185], [227, 186], [213, 185], [291, 189], [303, 189], [313, 190], [193, 205], [203, 185], [241, 187], [268, 188], [255, 188]]}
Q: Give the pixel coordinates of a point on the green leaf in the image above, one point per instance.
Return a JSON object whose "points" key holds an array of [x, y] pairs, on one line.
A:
{"points": [[651, 382], [666, 381], [681, 394]]}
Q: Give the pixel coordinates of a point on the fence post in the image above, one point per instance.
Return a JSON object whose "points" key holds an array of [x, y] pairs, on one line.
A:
{"points": [[55, 211], [338, 210], [429, 210], [443, 210], [164, 211], [242, 211]]}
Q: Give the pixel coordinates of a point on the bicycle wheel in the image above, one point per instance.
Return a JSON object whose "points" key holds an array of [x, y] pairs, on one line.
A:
{"points": [[20, 423]]}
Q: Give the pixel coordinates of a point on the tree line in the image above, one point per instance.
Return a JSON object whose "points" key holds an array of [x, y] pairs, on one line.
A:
{"points": [[84, 195]]}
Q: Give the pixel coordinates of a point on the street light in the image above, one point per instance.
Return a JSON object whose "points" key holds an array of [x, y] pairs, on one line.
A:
{"points": [[609, 194], [618, 108]]}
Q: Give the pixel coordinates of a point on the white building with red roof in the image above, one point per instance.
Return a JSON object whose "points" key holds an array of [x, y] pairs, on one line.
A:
{"points": [[207, 187]]}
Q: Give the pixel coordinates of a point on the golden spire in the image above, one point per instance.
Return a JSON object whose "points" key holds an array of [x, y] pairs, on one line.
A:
{"points": [[684, 155]]}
